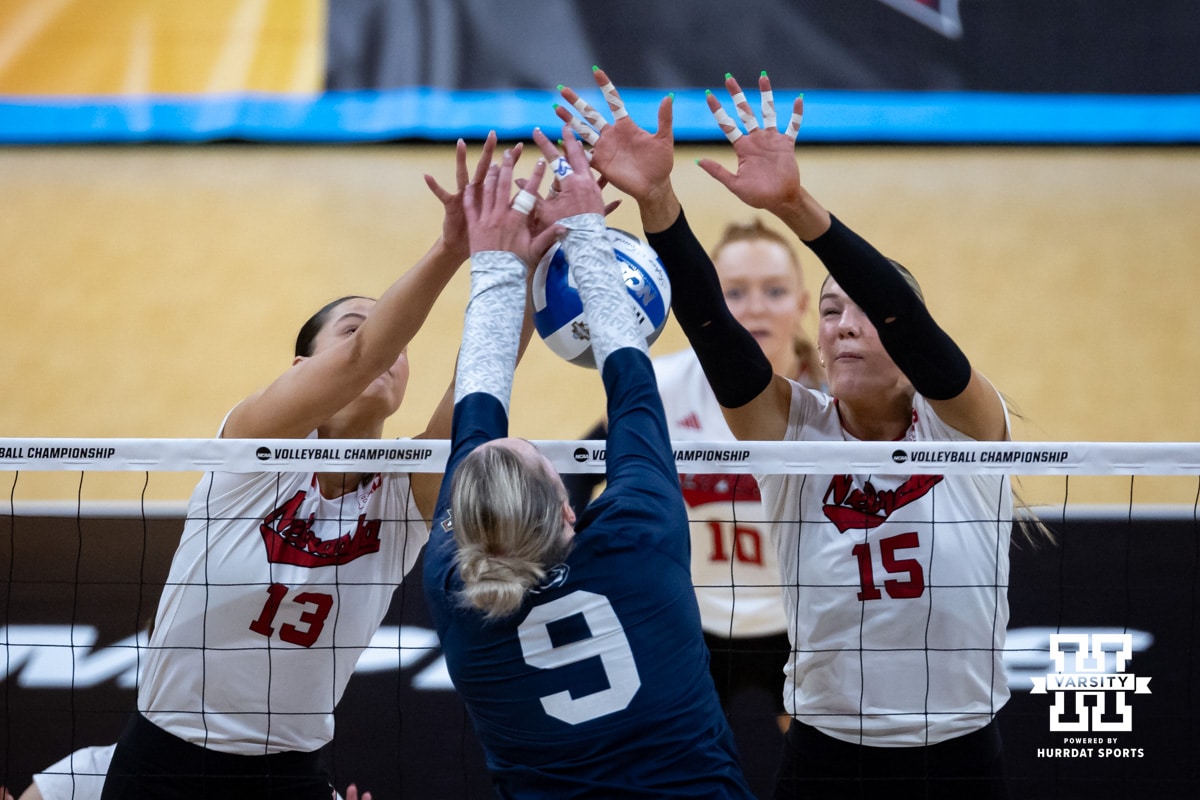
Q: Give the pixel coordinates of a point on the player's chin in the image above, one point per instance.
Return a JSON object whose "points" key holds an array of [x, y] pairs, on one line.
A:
{"points": [[384, 396]]}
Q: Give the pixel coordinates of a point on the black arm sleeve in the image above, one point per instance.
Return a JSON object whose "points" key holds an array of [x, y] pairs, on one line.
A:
{"points": [[580, 485], [733, 362], [924, 352]]}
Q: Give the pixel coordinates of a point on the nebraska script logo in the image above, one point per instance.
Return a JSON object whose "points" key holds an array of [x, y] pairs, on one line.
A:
{"points": [[292, 541], [850, 508]]}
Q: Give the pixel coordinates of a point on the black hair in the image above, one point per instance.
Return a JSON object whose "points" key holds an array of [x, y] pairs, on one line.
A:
{"points": [[309, 330]]}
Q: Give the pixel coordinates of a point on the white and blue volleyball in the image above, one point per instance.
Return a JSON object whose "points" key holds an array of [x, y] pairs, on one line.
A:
{"points": [[558, 310]]}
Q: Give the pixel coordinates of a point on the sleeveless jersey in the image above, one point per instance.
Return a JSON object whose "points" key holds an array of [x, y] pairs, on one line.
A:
{"points": [[598, 686], [733, 560], [273, 594], [896, 587]]}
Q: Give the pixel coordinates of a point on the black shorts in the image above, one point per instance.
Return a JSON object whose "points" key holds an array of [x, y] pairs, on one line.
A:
{"points": [[748, 662], [152, 763], [818, 766]]}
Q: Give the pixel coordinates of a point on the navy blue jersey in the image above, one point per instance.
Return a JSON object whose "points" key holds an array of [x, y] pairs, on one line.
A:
{"points": [[599, 685]]}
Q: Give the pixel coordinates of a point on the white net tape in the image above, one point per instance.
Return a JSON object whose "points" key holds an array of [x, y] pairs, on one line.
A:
{"points": [[585, 456]]}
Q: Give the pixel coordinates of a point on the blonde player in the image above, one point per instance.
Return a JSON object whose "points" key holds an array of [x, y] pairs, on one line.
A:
{"points": [[575, 643], [734, 566], [895, 585]]}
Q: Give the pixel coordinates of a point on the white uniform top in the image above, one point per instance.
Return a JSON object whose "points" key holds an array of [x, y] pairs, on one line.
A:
{"points": [[733, 561], [897, 590], [79, 776], [273, 594]]}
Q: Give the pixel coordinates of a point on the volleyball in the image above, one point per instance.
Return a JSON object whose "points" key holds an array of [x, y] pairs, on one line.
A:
{"points": [[558, 310]]}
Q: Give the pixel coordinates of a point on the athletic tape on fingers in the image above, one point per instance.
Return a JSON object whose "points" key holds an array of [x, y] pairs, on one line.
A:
{"points": [[583, 131], [793, 127], [590, 114], [744, 113], [732, 132], [559, 168], [768, 109], [615, 103], [524, 202]]}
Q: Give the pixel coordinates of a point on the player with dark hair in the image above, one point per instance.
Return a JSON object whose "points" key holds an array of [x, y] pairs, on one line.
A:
{"points": [[895, 585], [281, 579], [576, 644]]}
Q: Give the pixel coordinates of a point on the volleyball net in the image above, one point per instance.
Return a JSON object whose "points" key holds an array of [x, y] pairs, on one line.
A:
{"points": [[1101, 655]]}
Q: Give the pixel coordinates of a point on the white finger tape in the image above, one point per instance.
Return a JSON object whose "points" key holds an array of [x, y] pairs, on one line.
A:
{"points": [[559, 168], [732, 132], [615, 103], [793, 127], [768, 109], [590, 114], [744, 112], [524, 201], [585, 132]]}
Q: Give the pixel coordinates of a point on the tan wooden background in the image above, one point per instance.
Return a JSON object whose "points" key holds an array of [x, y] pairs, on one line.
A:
{"points": [[148, 289]]}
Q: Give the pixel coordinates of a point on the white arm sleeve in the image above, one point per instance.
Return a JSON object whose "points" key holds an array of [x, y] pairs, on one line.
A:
{"points": [[612, 322], [492, 328]]}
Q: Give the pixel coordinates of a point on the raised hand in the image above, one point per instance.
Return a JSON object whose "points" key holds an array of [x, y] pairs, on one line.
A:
{"points": [[767, 175], [577, 191], [630, 158], [498, 221], [454, 222]]}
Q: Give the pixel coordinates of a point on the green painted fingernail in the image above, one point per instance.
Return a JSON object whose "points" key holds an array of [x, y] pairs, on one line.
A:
{"points": [[671, 96], [707, 92], [594, 68], [728, 75], [561, 87], [762, 74]]}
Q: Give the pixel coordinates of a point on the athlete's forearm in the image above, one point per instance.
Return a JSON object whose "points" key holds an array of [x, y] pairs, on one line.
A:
{"points": [[924, 352], [491, 336]]}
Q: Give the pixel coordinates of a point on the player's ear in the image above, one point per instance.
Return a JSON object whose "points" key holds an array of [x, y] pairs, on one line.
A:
{"points": [[568, 515]]}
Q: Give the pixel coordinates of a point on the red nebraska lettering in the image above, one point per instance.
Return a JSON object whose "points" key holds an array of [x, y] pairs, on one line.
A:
{"points": [[292, 541], [868, 508]]}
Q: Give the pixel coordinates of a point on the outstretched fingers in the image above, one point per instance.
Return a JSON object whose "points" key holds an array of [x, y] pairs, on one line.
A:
{"points": [[746, 115], [767, 100], [556, 164], [740, 104], [611, 96], [728, 126], [577, 158], [793, 128], [485, 158], [588, 128]]}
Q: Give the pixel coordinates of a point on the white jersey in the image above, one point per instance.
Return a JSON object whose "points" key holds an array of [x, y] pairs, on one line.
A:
{"points": [[897, 588], [273, 594], [79, 776], [733, 561]]}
